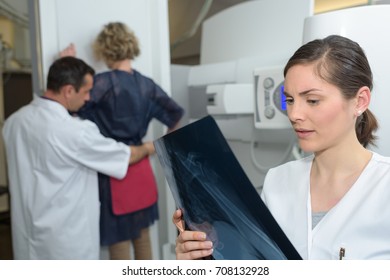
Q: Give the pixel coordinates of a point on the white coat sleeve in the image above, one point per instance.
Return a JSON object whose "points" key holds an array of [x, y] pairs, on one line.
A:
{"points": [[102, 154]]}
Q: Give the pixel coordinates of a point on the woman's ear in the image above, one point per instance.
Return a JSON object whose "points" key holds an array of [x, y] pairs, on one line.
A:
{"points": [[363, 98]]}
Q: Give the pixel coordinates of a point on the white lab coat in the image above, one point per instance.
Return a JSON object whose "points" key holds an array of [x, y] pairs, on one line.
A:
{"points": [[360, 222], [53, 159]]}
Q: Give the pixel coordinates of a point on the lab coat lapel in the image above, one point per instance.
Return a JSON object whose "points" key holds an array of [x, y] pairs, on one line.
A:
{"points": [[325, 237], [300, 233]]}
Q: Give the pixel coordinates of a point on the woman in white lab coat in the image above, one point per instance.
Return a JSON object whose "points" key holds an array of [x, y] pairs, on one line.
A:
{"points": [[335, 203]]}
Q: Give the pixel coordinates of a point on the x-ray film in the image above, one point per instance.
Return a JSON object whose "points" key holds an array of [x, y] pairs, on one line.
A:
{"points": [[216, 196]]}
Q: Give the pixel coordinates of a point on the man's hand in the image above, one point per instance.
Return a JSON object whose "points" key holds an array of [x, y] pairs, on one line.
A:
{"points": [[139, 152]]}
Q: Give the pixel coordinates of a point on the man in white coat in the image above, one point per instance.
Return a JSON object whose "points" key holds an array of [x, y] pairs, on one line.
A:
{"points": [[53, 159]]}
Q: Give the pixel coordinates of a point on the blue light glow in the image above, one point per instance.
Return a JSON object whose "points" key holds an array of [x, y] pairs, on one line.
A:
{"points": [[283, 99]]}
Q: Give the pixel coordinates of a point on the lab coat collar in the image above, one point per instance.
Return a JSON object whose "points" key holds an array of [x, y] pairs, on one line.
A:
{"points": [[50, 105]]}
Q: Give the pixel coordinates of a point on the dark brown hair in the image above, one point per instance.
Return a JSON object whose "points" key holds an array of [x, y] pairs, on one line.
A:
{"points": [[68, 70], [343, 63]]}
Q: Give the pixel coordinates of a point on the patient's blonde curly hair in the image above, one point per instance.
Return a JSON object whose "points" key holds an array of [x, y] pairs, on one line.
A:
{"points": [[115, 42]]}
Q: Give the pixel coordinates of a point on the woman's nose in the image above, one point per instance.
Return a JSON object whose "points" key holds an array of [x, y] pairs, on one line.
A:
{"points": [[295, 112]]}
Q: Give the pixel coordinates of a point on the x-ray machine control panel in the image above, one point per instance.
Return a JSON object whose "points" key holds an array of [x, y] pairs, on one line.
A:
{"points": [[270, 104]]}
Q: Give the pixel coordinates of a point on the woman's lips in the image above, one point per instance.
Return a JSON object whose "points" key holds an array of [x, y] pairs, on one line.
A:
{"points": [[303, 133]]}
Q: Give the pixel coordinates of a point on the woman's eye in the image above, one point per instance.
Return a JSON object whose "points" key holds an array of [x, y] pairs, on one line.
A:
{"points": [[289, 101], [313, 102]]}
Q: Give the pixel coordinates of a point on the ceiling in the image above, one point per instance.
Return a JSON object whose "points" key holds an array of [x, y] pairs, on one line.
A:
{"points": [[183, 15]]}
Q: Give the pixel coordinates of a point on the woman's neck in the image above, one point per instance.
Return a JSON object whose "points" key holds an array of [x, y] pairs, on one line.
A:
{"points": [[123, 65], [334, 172], [341, 159]]}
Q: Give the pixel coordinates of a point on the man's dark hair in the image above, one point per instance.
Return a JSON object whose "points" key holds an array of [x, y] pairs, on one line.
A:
{"points": [[68, 71]]}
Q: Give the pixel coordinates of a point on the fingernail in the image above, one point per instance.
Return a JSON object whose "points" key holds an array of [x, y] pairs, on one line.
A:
{"points": [[209, 244], [202, 235]]}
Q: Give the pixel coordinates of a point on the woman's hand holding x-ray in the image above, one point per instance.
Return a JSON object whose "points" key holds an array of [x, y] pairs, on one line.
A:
{"points": [[190, 245]]}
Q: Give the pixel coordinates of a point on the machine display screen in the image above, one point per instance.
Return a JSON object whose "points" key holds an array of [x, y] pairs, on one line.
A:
{"points": [[283, 99], [280, 99]]}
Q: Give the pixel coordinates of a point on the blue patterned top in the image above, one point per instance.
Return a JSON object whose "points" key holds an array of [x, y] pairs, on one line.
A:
{"points": [[123, 104]]}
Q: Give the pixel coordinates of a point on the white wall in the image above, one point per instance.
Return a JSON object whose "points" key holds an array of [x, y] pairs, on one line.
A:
{"points": [[66, 21]]}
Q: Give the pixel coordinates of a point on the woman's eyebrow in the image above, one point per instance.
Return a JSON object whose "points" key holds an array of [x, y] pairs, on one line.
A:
{"points": [[301, 93]]}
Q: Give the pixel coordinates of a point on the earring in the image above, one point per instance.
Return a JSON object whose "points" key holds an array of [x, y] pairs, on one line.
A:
{"points": [[359, 113]]}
